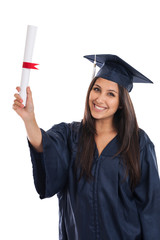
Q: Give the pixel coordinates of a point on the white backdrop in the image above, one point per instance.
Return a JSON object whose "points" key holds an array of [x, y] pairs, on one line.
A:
{"points": [[67, 30]]}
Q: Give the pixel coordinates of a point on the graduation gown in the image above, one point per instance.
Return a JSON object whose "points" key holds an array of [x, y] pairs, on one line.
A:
{"points": [[105, 208]]}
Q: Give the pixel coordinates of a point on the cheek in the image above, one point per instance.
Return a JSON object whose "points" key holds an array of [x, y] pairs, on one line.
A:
{"points": [[91, 96], [90, 100], [115, 104]]}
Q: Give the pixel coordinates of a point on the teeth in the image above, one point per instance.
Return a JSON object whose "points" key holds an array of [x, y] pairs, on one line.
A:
{"points": [[99, 108]]}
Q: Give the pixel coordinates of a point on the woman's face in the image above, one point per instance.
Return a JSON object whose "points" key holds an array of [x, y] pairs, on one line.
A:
{"points": [[104, 99]]}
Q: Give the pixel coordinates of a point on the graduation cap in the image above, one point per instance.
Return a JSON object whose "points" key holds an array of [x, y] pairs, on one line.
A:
{"points": [[115, 69]]}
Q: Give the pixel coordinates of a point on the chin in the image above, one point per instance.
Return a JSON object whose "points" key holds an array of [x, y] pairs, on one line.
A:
{"points": [[98, 117]]}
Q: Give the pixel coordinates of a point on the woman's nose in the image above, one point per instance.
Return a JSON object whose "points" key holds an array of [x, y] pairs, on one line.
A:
{"points": [[100, 98]]}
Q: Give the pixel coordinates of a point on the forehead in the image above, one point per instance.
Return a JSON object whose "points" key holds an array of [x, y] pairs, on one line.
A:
{"points": [[104, 83]]}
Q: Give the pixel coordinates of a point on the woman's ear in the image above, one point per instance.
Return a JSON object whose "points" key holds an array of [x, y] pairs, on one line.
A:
{"points": [[120, 107]]}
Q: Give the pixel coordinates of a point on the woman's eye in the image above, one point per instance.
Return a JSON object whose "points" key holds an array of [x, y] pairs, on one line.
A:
{"points": [[111, 94], [96, 89]]}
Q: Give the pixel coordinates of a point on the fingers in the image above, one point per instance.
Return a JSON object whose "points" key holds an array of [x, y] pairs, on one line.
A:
{"points": [[18, 103], [18, 89], [29, 96], [18, 100], [18, 97], [29, 93], [15, 107]]}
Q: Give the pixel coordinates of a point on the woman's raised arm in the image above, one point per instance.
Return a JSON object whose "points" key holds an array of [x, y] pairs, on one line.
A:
{"points": [[28, 116]]}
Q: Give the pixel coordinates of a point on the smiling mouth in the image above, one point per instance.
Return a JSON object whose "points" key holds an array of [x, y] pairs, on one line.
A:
{"points": [[99, 108]]}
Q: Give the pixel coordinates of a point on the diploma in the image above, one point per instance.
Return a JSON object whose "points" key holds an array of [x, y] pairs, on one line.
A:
{"points": [[27, 61]]}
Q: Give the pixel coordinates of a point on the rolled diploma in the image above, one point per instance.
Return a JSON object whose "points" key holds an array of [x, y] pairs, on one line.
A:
{"points": [[30, 40]]}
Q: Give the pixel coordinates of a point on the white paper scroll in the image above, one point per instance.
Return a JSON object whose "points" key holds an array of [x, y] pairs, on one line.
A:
{"points": [[30, 40]]}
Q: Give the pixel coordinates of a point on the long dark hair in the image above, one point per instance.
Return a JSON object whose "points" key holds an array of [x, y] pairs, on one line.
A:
{"points": [[126, 124]]}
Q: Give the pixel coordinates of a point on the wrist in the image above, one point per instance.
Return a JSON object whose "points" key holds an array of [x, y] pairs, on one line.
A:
{"points": [[30, 120]]}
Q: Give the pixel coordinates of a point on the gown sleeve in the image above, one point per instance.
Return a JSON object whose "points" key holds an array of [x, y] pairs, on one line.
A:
{"points": [[50, 168], [147, 194]]}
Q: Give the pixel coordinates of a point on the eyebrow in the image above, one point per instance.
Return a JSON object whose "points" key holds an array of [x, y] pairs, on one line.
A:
{"points": [[110, 90]]}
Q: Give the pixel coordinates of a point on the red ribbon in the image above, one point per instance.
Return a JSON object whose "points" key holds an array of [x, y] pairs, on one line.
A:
{"points": [[29, 65]]}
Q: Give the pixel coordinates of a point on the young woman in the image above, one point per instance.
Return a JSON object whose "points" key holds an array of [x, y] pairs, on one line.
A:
{"points": [[103, 169]]}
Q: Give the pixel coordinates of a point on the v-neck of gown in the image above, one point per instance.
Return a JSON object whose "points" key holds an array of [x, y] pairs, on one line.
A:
{"points": [[110, 149]]}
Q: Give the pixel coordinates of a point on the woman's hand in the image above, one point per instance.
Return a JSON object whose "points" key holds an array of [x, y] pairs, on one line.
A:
{"points": [[27, 112]]}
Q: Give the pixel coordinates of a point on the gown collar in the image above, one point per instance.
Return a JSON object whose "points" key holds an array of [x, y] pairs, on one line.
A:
{"points": [[110, 149]]}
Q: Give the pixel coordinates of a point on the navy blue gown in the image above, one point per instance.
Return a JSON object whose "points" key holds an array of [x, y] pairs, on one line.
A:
{"points": [[104, 208]]}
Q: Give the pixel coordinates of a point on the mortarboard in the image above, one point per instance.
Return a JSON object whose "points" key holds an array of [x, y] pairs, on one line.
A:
{"points": [[115, 69]]}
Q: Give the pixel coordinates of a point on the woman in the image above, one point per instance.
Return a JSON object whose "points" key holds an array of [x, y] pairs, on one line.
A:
{"points": [[103, 169]]}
